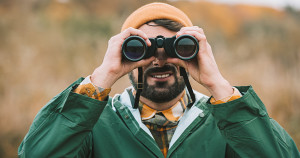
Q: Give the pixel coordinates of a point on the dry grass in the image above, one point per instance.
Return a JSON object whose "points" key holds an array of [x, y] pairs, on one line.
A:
{"points": [[46, 45]]}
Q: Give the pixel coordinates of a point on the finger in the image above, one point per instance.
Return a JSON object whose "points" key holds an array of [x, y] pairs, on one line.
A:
{"points": [[200, 37], [177, 62], [196, 34], [194, 28], [135, 32], [197, 28], [187, 32], [143, 62]]}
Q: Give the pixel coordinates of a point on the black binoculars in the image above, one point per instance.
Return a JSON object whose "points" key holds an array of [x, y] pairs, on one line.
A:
{"points": [[185, 47]]}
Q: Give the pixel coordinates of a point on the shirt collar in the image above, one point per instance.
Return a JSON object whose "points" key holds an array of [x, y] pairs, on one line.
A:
{"points": [[172, 114]]}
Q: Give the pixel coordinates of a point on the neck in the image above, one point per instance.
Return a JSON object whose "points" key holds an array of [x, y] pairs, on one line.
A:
{"points": [[161, 106]]}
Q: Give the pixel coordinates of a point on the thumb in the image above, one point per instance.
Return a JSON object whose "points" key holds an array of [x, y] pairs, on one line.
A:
{"points": [[177, 62], [144, 62]]}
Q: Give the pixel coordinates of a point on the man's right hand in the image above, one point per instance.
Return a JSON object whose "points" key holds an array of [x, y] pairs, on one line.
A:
{"points": [[113, 66]]}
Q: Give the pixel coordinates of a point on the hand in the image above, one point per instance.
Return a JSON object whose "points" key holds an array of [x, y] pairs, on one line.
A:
{"points": [[204, 68], [113, 66]]}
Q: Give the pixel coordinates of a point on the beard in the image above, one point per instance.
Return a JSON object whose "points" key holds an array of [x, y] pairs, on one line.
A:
{"points": [[170, 91]]}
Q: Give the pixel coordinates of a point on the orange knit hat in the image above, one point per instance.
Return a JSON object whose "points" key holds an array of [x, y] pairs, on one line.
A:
{"points": [[155, 11]]}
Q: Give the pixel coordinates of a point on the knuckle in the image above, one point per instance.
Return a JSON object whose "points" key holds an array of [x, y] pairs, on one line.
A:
{"points": [[126, 30], [130, 29], [203, 38], [112, 39], [200, 30], [183, 28], [141, 33]]}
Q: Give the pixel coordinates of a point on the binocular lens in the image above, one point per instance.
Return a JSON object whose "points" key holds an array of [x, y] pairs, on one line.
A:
{"points": [[134, 49], [186, 48]]}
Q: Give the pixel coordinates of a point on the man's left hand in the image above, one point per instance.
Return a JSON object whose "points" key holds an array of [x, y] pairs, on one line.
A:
{"points": [[203, 68]]}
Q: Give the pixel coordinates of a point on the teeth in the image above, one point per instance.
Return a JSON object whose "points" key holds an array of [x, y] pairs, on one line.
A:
{"points": [[161, 76]]}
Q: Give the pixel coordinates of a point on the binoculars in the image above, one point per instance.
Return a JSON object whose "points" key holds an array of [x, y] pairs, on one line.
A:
{"points": [[185, 47]]}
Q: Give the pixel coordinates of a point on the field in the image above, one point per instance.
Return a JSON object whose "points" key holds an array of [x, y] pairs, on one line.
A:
{"points": [[45, 45]]}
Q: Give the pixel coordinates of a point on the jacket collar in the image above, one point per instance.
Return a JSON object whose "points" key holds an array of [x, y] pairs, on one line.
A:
{"points": [[190, 114]]}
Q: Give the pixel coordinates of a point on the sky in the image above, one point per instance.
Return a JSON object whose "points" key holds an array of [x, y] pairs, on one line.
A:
{"points": [[278, 4]]}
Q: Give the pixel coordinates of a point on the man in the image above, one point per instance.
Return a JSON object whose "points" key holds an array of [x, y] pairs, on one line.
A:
{"points": [[83, 121]]}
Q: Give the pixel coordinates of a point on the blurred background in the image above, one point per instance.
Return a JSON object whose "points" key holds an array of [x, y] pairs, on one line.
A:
{"points": [[45, 45]]}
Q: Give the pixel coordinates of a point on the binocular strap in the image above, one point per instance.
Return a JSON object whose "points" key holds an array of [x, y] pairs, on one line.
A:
{"points": [[188, 86], [140, 85]]}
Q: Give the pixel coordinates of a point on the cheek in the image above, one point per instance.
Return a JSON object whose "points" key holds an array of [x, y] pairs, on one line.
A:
{"points": [[149, 81], [177, 72], [133, 76]]}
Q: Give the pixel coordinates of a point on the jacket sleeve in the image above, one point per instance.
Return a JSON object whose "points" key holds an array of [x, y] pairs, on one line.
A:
{"points": [[63, 127], [249, 131]]}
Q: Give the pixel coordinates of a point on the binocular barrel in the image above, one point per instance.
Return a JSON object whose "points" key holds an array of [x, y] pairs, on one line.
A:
{"points": [[185, 47]]}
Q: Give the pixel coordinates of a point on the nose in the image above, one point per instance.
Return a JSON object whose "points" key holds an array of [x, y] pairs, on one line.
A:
{"points": [[160, 58]]}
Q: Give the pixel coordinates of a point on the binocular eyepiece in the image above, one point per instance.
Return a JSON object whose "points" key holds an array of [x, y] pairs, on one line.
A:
{"points": [[185, 47]]}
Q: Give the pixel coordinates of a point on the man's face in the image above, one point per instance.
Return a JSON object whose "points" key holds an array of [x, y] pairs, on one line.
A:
{"points": [[162, 81]]}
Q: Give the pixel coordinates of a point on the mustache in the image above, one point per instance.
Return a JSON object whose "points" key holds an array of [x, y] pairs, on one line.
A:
{"points": [[161, 69]]}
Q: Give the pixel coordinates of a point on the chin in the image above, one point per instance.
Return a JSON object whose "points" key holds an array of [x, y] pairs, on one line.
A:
{"points": [[162, 89]]}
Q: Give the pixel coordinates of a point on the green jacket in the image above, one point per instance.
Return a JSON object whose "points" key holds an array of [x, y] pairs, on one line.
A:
{"points": [[73, 125]]}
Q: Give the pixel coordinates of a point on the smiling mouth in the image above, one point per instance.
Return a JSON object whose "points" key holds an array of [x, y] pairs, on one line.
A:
{"points": [[164, 75], [161, 73], [161, 76]]}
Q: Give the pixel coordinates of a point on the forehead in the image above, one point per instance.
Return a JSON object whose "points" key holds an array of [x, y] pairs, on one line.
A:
{"points": [[152, 31]]}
